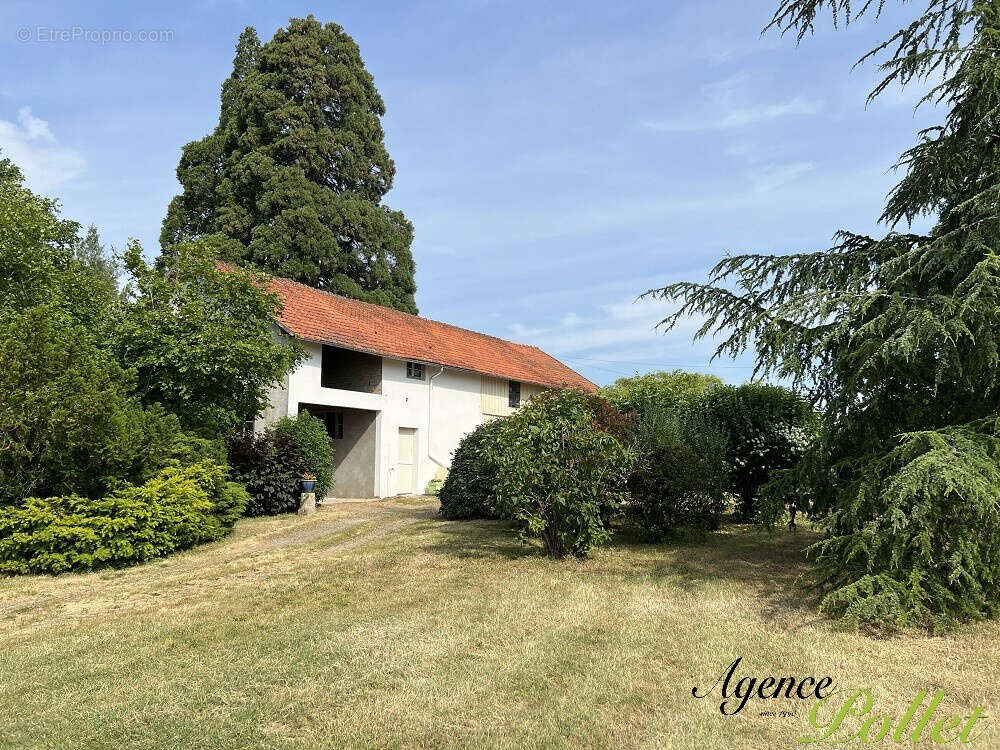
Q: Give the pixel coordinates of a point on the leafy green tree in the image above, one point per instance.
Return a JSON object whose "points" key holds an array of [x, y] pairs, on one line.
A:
{"points": [[898, 337], [36, 249], [658, 391], [295, 172], [68, 422], [200, 339]]}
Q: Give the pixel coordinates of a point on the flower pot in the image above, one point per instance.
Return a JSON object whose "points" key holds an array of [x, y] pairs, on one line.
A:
{"points": [[308, 484]]}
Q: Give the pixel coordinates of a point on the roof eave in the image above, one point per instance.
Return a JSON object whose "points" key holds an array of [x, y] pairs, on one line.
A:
{"points": [[374, 353]]}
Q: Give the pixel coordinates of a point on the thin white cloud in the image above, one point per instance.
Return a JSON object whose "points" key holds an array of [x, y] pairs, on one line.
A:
{"points": [[31, 145], [733, 103], [571, 320], [738, 117], [523, 332], [773, 176], [623, 321]]}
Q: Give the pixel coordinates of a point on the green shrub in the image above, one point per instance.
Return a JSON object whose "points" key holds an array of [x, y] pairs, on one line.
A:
{"points": [[768, 427], [179, 508], [310, 437], [680, 478], [558, 476], [187, 448], [270, 466], [659, 391], [434, 487], [469, 491]]}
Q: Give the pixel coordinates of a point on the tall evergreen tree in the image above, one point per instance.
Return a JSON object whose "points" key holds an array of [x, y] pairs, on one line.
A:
{"points": [[294, 174], [91, 254], [192, 213], [898, 338]]}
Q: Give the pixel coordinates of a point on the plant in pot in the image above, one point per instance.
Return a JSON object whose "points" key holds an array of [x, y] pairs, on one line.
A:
{"points": [[308, 481]]}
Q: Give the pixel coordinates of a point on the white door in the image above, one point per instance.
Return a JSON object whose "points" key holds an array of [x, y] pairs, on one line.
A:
{"points": [[406, 468]]}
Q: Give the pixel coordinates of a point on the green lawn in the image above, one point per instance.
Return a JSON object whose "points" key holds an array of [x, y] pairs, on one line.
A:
{"points": [[378, 625]]}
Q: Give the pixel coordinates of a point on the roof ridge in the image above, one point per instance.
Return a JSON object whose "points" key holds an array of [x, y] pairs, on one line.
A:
{"points": [[321, 315], [411, 315]]}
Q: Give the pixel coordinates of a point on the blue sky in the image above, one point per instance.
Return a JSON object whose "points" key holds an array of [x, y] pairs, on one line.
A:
{"points": [[557, 160]]}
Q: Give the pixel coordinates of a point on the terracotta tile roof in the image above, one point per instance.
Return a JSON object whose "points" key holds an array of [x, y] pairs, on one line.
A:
{"points": [[315, 315]]}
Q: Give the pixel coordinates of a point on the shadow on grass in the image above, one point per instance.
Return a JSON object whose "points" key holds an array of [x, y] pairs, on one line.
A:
{"points": [[480, 538], [772, 564]]}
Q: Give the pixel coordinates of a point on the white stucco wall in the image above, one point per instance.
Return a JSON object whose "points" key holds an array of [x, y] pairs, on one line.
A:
{"points": [[442, 408]]}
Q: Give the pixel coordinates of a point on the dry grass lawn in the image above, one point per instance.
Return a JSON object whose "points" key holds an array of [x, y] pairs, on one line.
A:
{"points": [[378, 625]]}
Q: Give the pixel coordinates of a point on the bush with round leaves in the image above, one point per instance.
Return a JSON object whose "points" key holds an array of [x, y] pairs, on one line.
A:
{"points": [[558, 476], [469, 491]]}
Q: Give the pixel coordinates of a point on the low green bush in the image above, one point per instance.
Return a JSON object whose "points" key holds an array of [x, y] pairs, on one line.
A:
{"points": [[180, 507], [187, 448], [680, 478], [558, 476], [230, 501], [310, 437], [270, 466], [469, 491]]}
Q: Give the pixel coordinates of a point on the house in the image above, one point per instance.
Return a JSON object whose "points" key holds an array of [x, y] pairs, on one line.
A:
{"points": [[396, 391]]}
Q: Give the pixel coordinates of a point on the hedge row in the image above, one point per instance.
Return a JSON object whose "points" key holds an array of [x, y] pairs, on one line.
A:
{"points": [[178, 508], [567, 462]]}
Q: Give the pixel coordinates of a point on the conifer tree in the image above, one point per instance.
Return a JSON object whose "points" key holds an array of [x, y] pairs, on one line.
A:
{"points": [[192, 213], [91, 254], [293, 176], [898, 339]]}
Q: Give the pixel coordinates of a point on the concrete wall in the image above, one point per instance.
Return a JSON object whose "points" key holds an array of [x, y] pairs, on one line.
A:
{"points": [[305, 387], [354, 453], [277, 407]]}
